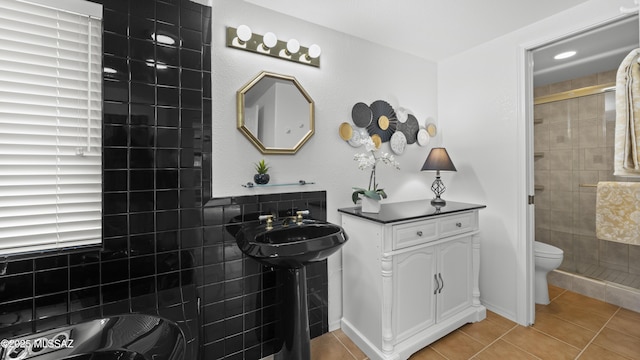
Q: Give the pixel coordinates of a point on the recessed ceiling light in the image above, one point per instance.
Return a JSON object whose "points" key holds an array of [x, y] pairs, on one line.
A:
{"points": [[564, 55]]}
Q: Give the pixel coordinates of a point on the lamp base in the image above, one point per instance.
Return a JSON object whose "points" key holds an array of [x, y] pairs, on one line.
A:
{"points": [[438, 202]]}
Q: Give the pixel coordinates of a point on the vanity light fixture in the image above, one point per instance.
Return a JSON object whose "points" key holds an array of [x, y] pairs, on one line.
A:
{"points": [[565, 55], [438, 160], [268, 44]]}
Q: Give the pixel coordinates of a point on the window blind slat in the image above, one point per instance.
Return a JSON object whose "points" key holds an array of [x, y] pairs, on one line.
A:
{"points": [[10, 110], [29, 10], [56, 87], [50, 128], [9, 181], [39, 205], [40, 73], [41, 26], [43, 55]]}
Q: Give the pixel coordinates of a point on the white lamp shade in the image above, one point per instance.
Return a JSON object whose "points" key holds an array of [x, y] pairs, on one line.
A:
{"points": [[244, 33], [270, 40], [314, 51], [293, 46]]}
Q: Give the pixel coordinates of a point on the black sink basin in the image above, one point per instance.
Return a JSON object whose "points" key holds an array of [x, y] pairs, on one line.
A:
{"points": [[293, 245], [122, 337], [108, 355]]}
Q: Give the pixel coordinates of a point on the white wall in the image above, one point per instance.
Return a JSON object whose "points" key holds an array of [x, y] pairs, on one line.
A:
{"points": [[352, 70], [482, 116]]}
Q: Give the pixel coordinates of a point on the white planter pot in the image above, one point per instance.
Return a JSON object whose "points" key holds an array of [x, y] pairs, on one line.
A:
{"points": [[370, 205]]}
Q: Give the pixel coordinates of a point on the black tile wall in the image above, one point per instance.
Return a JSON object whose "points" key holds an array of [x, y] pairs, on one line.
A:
{"points": [[165, 243]]}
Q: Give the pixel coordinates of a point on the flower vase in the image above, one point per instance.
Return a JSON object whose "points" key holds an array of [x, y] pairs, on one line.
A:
{"points": [[370, 205]]}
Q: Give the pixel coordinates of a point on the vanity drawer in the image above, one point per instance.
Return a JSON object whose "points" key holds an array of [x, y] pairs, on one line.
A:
{"points": [[414, 233], [457, 224]]}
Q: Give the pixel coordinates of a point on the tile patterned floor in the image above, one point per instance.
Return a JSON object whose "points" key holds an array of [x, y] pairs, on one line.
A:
{"points": [[572, 326]]}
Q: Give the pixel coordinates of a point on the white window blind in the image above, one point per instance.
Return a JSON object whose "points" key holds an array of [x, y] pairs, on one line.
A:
{"points": [[50, 126]]}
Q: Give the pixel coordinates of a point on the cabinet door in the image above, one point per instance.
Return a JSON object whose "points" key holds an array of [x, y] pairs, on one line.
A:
{"points": [[414, 286], [455, 268]]}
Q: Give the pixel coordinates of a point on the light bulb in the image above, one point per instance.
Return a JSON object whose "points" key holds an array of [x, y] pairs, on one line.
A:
{"points": [[269, 40], [293, 46], [244, 33], [314, 51]]}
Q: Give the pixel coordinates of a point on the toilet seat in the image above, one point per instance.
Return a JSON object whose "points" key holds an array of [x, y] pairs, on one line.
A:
{"points": [[547, 251]]}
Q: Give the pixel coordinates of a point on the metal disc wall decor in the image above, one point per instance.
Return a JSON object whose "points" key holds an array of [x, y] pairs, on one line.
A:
{"points": [[377, 141], [384, 120], [358, 136], [398, 142], [402, 114], [409, 128], [432, 129], [361, 114], [346, 131]]}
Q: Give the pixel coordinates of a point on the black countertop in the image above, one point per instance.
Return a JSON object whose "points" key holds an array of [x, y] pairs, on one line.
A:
{"points": [[409, 210]]}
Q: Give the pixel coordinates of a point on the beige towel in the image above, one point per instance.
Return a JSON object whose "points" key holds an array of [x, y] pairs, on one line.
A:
{"points": [[627, 131], [618, 211]]}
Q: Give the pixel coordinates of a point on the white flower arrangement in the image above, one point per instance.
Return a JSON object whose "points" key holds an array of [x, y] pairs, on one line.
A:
{"points": [[367, 160]]}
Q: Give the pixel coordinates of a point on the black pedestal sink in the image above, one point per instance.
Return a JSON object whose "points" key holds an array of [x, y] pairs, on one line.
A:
{"points": [[291, 247]]}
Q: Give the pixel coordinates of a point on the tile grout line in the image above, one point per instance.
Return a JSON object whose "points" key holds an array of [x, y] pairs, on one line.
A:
{"points": [[345, 347], [443, 355], [494, 341], [438, 352], [510, 343], [598, 333]]}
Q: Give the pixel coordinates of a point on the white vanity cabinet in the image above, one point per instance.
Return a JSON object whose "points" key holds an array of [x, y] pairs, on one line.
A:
{"points": [[410, 275]]}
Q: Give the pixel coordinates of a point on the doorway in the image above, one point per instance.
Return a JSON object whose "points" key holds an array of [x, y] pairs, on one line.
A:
{"points": [[572, 117]]}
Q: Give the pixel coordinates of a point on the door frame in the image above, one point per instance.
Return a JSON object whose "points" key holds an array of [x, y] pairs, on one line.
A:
{"points": [[526, 216]]}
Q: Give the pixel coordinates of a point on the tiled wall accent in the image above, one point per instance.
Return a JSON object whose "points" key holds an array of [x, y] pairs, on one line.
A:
{"points": [[164, 240], [573, 145], [154, 111]]}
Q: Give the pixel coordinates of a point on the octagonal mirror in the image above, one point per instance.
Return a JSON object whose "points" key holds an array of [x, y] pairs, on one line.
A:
{"points": [[275, 113]]}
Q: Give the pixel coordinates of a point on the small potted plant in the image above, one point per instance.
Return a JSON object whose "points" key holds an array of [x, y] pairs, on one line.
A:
{"points": [[261, 177]]}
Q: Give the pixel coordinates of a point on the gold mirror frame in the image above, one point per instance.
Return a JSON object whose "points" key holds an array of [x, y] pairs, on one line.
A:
{"points": [[253, 138]]}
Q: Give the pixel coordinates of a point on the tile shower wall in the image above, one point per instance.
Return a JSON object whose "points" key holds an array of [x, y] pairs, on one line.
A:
{"points": [[165, 243], [573, 145]]}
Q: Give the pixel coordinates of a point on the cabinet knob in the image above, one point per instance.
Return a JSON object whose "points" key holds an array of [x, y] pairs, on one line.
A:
{"points": [[419, 233], [459, 224]]}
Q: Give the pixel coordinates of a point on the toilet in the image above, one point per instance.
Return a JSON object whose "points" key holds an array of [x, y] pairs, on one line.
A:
{"points": [[546, 258]]}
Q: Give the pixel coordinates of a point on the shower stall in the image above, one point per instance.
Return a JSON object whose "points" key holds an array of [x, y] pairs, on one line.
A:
{"points": [[574, 123]]}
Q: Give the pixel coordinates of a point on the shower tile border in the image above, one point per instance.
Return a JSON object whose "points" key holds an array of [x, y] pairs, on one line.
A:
{"points": [[615, 294]]}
